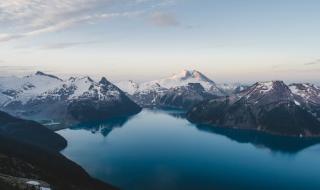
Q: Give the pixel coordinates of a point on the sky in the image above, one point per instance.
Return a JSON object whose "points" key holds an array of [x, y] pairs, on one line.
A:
{"points": [[228, 40]]}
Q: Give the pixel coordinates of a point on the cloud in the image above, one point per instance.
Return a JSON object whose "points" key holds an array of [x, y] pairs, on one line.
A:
{"points": [[64, 45], [164, 19], [66, 24], [33, 17], [316, 62], [7, 37]]}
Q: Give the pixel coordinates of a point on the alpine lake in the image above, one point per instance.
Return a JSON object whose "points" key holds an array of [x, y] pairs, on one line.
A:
{"points": [[161, 149]]}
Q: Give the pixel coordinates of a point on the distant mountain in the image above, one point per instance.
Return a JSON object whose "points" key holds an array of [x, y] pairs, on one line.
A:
{"points": [[149, 94], [16, 89], [308, 96], [181, 79], [175, 91], [185, 77], [265, 106], [184, 97], [230, 89], [30, 151], [46, 97], [100, 101], [129, 87]]}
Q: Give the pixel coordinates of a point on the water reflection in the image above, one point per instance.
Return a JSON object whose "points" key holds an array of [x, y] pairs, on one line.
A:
{"points": [[176, 113], [160, 150], [103, 127], [289, 145]]}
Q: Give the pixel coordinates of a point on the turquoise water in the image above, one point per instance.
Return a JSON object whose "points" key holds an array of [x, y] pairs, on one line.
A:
{"points": [[162, 150]]}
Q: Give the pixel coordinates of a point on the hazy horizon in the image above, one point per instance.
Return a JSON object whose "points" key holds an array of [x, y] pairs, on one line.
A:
{"points": [[25, 72], [141, 40]]}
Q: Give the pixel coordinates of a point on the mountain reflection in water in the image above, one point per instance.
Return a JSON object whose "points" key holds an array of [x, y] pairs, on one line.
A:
{"points": [[160, 149], [275, 143]]}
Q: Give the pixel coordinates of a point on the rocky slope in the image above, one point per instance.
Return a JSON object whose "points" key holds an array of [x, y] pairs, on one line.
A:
{"points": [[149, 94], [266, 106], [47, 97], [29, 150], [308, 96], [184, 97], [230, 89], [30, 132]]}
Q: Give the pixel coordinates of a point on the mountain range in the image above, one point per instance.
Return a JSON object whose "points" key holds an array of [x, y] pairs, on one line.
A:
{"points": [[181, 90], [271, 107], [46, 97]]}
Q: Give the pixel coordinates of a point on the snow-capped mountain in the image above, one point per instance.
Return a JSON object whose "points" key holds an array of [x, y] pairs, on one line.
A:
{"points": [[150, 93], [184, 97], [23, 89], [264, 93], [265, 106], [144, 94], [100, 101], [232, 88], [308, 95], [129, 87], [46, 97], [185, 77]]}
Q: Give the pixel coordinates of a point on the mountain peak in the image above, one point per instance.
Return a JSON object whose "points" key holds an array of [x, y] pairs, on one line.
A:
{"points": [[184, 74], [104, 81], [272, 82], [81, 79], [199, 76], [271, 85], [39, 73], [269, 92], [191, 74]]}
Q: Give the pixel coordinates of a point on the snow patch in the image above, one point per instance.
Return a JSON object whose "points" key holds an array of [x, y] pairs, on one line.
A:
{"points": [[33, 183], [129, 87], [297, 103], [265, 87], [41, 86], [45, 188]]}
